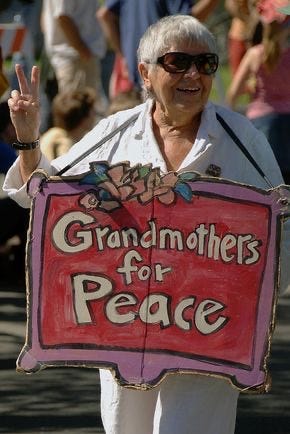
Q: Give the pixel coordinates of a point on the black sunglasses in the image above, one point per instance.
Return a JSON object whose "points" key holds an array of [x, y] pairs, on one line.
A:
{"points": [[176, 62]]}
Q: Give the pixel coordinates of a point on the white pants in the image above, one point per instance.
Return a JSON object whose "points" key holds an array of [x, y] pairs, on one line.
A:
{"points": [[72, 74], [181, 404]]}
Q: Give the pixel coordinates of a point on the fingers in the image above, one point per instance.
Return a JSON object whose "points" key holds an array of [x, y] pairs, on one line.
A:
{"points": [[14, 100], [35, 80], [24, 87], [18, 102]]}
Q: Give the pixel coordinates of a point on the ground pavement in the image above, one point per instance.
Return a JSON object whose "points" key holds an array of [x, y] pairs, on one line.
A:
{"points": [[67, 400]]}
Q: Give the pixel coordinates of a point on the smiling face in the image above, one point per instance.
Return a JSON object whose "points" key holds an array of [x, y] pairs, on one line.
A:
{"points": [[182, 95]]}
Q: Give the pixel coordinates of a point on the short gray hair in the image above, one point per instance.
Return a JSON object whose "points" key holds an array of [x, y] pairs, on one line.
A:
{"points": [[172, 29]]}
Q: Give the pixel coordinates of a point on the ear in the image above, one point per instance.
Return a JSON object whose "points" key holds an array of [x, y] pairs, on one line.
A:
{"points": [[143, 69]]}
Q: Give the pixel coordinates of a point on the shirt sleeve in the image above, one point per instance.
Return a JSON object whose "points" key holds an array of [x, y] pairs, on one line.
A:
{"points": [[13, 184]]}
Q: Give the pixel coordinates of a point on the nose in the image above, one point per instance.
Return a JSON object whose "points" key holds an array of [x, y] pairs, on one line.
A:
{"points": [[192, 70]]}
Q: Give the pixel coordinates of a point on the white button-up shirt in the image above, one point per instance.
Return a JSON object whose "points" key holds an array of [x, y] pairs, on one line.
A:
{"points": [[137, 144]]}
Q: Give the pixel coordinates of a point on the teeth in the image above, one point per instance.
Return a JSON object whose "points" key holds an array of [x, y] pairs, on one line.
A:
{"points": [[188, 90]]}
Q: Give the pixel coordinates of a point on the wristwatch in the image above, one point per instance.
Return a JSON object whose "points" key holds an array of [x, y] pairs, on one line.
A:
{"points": [[21, 146]]}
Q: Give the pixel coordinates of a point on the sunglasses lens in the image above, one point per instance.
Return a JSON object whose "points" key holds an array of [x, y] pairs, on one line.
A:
{"points": [[206, 63], [176, 62]]}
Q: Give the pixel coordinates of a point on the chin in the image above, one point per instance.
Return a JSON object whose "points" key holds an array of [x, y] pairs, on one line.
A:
{"points": [[192, 108]]}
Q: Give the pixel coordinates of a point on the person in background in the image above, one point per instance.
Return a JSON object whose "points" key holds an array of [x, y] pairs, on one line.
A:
{"points": [[74, 114], [175, 129], [75, 45], [123, 101], [269, 64], [244, 21], [7, 131], [24, 44], [13, 218], [4, 83], [120, 18], [7, 137]]}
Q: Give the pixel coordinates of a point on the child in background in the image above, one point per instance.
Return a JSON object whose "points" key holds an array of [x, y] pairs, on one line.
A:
{"points": [[74, 114]]}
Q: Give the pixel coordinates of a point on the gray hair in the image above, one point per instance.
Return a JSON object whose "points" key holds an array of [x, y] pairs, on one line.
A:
{"points": [[172, 29]]}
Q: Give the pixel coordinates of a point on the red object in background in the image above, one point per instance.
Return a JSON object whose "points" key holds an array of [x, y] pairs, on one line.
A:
{"points": [[119, 80], [15, 37]]}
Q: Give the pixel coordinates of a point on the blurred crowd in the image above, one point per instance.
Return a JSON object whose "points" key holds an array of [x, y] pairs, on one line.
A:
{"points": [[87, 53]]}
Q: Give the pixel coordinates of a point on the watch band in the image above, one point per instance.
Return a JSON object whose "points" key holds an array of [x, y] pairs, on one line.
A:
{"points": [[21, 146]]}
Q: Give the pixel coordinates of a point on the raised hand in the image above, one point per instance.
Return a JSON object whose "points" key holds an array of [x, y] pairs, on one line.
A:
{"points": [[24, 105]]}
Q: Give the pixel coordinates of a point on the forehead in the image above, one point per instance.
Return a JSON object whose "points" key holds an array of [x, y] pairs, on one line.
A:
{"points": [[193, 48]]}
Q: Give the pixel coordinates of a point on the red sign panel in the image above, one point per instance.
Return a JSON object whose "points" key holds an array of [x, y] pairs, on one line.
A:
{"points": [[148, 274]]}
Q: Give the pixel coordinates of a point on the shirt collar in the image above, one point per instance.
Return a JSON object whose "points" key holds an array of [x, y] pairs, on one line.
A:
{"points": [[208, 126], [139, 126]]}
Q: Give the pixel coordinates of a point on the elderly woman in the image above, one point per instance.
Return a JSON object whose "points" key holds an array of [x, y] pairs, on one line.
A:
{"points": [[175, 129]]}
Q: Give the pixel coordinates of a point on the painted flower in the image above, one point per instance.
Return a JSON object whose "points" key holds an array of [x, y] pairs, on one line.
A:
{"points": [[94, 199], [118, 183], [160, 187], [89, 200]]}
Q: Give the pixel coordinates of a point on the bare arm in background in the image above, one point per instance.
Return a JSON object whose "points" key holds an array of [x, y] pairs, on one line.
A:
{"points": [[237, 8], [203, 8], [110, 25], [249, 64], [73, 36]]}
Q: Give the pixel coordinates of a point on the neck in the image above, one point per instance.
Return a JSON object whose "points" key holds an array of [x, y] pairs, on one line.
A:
{"points": [[180, 122], [175, 137]]}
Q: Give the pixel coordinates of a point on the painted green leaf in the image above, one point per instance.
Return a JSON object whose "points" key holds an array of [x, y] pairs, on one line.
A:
{"points": [[144, 170], [187, 176]]}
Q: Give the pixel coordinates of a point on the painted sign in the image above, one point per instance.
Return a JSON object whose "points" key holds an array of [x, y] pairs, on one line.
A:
{"points": [[147, 274]]}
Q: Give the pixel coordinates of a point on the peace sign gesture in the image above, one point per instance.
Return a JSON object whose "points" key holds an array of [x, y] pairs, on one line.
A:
{"points": [[24, 106]]}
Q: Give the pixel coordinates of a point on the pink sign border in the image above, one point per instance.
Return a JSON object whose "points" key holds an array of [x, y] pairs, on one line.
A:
{"points": [[34, 357]]}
